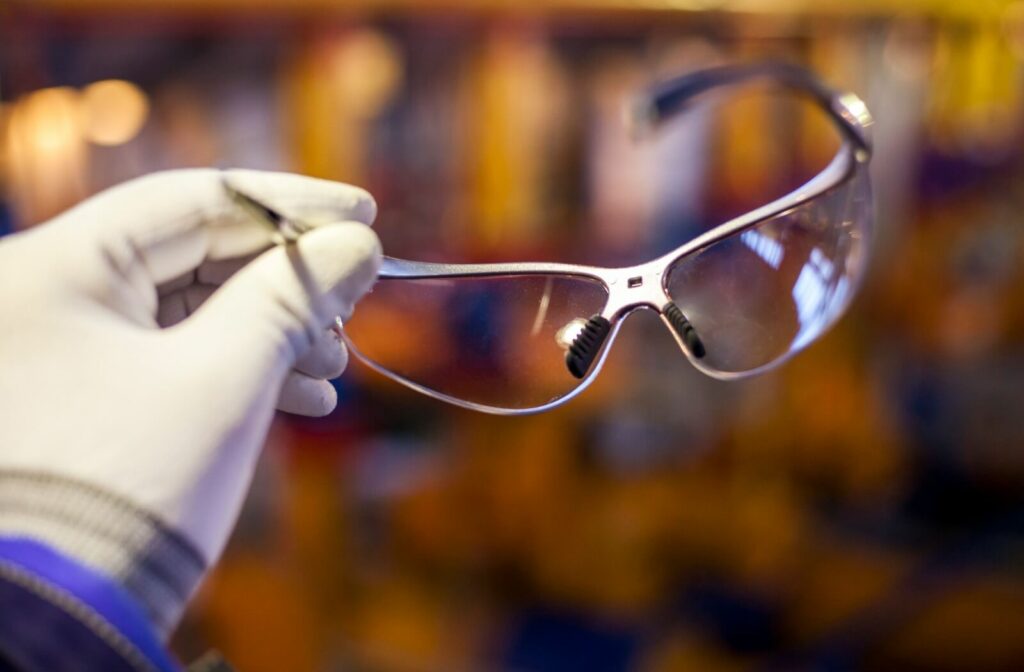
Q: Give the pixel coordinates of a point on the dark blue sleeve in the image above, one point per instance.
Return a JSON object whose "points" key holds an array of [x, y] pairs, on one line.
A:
{"points": [[57, 615]]}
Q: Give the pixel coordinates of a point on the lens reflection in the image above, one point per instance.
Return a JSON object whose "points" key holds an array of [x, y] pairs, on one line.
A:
{"points": [[770, 290], [497, 341]]}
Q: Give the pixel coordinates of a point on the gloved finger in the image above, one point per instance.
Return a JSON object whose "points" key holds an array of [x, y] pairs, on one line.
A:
{"points": [[156, 228], [305, 395], [179, 304], [270, 313], [316, 201], [326, 359]]}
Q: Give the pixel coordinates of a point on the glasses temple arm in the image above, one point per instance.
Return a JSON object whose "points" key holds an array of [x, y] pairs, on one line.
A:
{"points": [[669, 98]]}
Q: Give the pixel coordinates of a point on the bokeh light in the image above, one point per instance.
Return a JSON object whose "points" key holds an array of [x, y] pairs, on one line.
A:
{"points": [[45, 154], [113, 111], [366, 67]]}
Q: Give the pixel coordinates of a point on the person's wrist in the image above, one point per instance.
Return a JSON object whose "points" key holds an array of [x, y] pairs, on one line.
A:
{"points": [[155, 564]]}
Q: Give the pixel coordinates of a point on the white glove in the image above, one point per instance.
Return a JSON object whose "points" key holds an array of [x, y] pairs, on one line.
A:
{"points": [[135, 406]]}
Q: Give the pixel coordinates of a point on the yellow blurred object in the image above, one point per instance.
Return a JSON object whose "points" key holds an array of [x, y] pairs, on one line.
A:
{"points": [[746, 140], [978, 620], [405, 626], [260, 616], [519, 89], [1013, 27], [364, 71], [839, 579], [978, 110], [367, 70], [683, 651], [43, 141], [113, 111], [5, 118], [45, 153]]}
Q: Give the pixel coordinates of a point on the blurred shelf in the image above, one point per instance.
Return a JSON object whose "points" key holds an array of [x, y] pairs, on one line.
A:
{"points": [[949, 9]]}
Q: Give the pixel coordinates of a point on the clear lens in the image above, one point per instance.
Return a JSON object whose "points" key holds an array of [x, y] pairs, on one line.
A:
{"points": [[496, 341], [770, 290]]}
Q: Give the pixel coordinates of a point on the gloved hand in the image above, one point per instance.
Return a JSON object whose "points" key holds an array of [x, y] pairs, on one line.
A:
{"points": [[146, 336]]}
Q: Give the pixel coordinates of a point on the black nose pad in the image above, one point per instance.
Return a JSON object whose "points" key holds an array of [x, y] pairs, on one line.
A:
{"points": [[586, 345], [682, 326]]}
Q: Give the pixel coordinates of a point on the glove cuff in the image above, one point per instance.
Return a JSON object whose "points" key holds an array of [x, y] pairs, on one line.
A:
{"points": [[103, 531]]}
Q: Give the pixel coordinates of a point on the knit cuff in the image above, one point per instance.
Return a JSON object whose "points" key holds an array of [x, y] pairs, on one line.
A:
{"points": [[153, 563]]}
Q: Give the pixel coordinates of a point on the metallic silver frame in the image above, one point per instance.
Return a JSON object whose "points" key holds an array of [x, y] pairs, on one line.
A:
{"points": [[667, 100]]}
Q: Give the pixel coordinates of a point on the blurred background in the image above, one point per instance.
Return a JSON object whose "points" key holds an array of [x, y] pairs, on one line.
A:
{"points": [[861, 508]]}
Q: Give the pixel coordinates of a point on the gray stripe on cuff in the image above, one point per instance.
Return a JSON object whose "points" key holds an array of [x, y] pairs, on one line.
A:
{"points": [[154, 563]]}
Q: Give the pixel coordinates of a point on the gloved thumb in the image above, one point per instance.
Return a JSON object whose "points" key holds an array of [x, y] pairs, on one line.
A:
{"points": [[269, 314]]}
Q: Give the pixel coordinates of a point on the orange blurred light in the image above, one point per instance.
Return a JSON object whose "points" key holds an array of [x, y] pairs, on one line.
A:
{"points": [[113, 111], [44, 153], [367, 69]]}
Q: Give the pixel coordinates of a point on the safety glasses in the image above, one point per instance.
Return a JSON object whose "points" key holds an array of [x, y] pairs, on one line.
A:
{"points": [[739, 299]]}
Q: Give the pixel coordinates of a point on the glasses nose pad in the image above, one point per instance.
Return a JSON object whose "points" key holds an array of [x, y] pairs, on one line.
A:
{"points": [[683, 330], [585, 344]]}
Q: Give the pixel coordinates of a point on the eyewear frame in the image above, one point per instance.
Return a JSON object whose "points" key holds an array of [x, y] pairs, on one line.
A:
{"points": [[643, 286]]}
